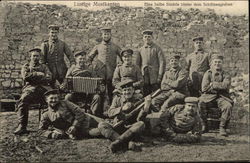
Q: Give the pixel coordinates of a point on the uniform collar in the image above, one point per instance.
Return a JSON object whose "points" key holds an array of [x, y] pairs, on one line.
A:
{"points": [[81, 67], [53, 41], [174, 69], [199, 51], [33, 64], [54, 109], [106, 43], [148, 46]]}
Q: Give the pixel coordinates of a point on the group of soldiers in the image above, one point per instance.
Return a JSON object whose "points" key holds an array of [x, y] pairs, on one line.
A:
{"points": [[181, 96]]}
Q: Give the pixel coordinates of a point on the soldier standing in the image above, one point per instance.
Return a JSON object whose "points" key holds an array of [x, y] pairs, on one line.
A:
{"points": [[197, 64], [36, 78], [53, 51], [215, 93], [82, 70], [128, 70], [173, 85], [119, 110], [152, 63], [109, 54]]}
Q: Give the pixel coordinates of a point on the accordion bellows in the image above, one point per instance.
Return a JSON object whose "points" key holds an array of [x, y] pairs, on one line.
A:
{"points": [[84, 84]]}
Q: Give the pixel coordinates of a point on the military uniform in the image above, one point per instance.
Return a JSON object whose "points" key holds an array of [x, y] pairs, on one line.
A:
{"points": [[109, 54], [96, 106], [53, 55], [56, 121], [215, 93], [174, 89], [197, 64], [35, 85], [175, 121], [129, 130], [152, 63]]}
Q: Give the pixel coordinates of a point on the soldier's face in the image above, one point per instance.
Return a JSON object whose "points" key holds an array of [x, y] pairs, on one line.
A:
{"points": [[174, 63], [106, 36], [147, 39], [127, 59], [53, 34], [190, 108], [35, 56], [80, 60], [198, 45], [217, 64], [128, 92], [52, 100]]}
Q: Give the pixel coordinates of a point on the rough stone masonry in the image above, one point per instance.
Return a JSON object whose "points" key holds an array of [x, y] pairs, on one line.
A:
{"points": [[24, 25]]}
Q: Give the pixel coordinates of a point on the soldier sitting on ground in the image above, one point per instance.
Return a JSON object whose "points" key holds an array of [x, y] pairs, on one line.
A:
{"points": [[64, 119], [181, 123], [119, 110], [215, 89], [127, 70], [80, 69], [36, 78], [173, 85]]}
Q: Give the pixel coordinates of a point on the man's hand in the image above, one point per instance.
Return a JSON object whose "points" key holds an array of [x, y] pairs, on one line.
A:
{"points": [[127, 106], [40, 73], [148, 100], [71, 130]]}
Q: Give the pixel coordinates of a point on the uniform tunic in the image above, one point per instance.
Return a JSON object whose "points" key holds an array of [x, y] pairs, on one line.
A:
{"points": [[197, 64], [34, 86], [53, 55], [174, 88], [215, 89], [124, 72], [177, 120], [64, 115]]}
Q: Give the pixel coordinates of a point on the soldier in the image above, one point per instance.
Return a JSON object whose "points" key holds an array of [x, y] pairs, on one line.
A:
{"points": [[181, 123], [152, 63], [109, 54], [215, 89], [197, 65], [36, 78], [173, 86], [128, 70], [53, 51], [82, 70], [64, 119], [119, 110]]}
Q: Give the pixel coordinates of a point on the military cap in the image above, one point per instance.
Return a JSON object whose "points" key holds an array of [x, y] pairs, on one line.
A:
{"points": [[35, 49], [54, 27], [79, 53], [199, 38], [51, 91], [191, 100], [106, 29], [147, 32], [126, 83], [216, 56], [129, 51], [175, 55]]}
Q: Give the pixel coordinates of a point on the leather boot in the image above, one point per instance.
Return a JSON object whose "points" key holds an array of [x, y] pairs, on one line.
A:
{"points": [[20, 130], [222, 130], [107, 131], [124, 138]]}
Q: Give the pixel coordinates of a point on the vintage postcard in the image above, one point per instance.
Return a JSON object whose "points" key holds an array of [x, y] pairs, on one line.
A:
{"points": [[124, 81]]}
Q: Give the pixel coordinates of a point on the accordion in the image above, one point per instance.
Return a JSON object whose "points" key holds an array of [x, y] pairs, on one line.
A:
{"points": [[84, 84]]}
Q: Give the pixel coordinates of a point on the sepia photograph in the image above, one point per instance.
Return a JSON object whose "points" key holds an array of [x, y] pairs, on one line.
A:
{"points": [[124, 81]]}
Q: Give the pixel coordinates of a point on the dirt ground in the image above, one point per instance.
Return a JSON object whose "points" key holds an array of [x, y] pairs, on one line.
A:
{"points": [[32, 148]]}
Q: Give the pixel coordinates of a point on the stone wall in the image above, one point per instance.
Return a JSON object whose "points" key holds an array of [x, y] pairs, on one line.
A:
{"points": [[23, 26]]}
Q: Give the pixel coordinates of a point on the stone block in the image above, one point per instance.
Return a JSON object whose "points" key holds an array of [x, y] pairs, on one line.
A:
{"points": [[6, 83]]}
